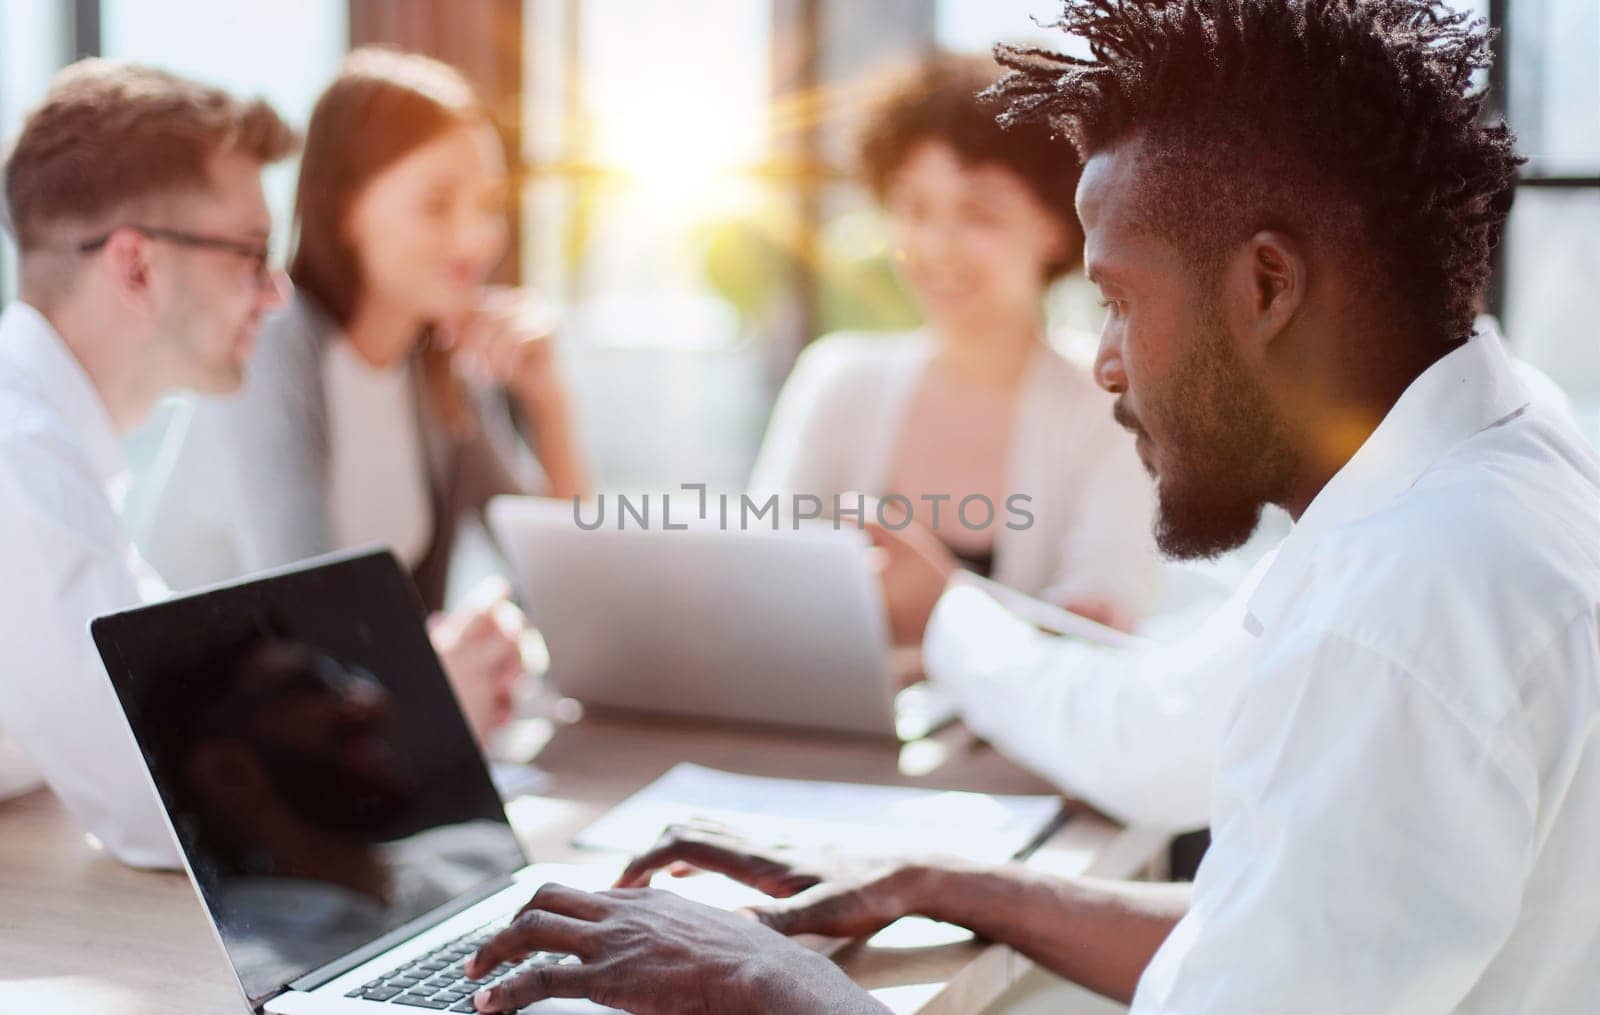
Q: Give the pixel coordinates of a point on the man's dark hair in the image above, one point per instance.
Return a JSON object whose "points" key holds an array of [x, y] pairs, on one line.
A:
{"points": [[940, 100], [1352, 124]]}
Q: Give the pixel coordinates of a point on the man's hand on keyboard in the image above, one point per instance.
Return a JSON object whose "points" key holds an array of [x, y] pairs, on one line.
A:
{"points": [[654, 952]]}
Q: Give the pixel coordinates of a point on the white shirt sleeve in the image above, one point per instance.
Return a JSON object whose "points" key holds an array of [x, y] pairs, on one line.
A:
{"points": [[17, 774], [799, 453], [66, 565], [1368, 849], [1132, 731]]}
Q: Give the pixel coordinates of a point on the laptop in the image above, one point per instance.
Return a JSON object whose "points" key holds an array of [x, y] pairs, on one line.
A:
{"points": [[333, 810], [785, 628]]}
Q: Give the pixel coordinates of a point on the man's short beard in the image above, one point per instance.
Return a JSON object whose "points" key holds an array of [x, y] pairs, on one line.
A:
{"points": [[1227, 457], [1191, 528]]}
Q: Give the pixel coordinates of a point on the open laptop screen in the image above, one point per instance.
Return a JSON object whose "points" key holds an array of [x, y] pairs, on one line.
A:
{"points": [[318, 772]]}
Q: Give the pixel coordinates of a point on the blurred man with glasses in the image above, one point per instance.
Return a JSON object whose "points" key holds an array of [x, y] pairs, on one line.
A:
{"points": [[135, 200]]}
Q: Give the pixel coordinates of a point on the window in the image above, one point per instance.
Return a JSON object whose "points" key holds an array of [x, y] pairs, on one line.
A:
{"points": [[284, 51], [692, 203], [644, 133], [36, 39], [1550, 74], [1552, 53]]}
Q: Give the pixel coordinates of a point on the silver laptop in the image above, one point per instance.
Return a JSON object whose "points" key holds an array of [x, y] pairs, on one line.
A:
{"points": [[333, 810], [781, 627]]}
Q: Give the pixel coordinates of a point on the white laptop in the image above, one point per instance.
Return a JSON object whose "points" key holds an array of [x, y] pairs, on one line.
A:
{"points": [[750, 625], [333, 810]]}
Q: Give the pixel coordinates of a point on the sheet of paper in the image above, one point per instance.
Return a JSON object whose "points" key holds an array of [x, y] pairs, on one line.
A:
{"points": [[885, 820], [514, 780], [1053, 618]]}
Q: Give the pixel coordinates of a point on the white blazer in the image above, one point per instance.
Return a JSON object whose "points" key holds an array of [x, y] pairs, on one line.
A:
{"points": [[837, 424]]}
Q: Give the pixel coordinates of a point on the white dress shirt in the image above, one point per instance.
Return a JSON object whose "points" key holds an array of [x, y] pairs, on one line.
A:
{"points": [[67, 561], [1133, 731], [17, 774], [836, 426], [1407, 797]]}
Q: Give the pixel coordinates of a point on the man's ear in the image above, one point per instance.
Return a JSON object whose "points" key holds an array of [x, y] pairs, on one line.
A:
{"points": [[1265, 285], [127, 258]]}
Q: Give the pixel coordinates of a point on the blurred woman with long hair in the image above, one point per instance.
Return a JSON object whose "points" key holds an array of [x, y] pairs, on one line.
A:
{"points": [[397, 392]]}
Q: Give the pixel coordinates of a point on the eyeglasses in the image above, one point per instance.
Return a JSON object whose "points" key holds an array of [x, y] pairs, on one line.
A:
{"points": [[256, 253]]}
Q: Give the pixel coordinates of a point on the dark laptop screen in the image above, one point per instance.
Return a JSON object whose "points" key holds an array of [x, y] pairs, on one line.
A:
{"points": [[320, 776]]}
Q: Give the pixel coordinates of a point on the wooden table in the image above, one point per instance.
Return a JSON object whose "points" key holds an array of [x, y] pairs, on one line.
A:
{"points": [[81, 933]]}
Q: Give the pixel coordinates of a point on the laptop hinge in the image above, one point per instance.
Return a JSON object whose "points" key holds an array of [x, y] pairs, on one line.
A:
{"points": [[338, 967]]}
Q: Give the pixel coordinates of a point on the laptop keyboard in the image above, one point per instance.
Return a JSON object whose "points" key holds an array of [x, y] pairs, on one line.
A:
{"points": [[436, 979]]}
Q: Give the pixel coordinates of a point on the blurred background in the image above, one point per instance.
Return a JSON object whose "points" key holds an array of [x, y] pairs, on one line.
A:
{"points": [[686, 184]]}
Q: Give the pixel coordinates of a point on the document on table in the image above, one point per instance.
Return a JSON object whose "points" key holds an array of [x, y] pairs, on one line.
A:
{"points": [[1053, 618], [513, 780], [876, 820]]}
